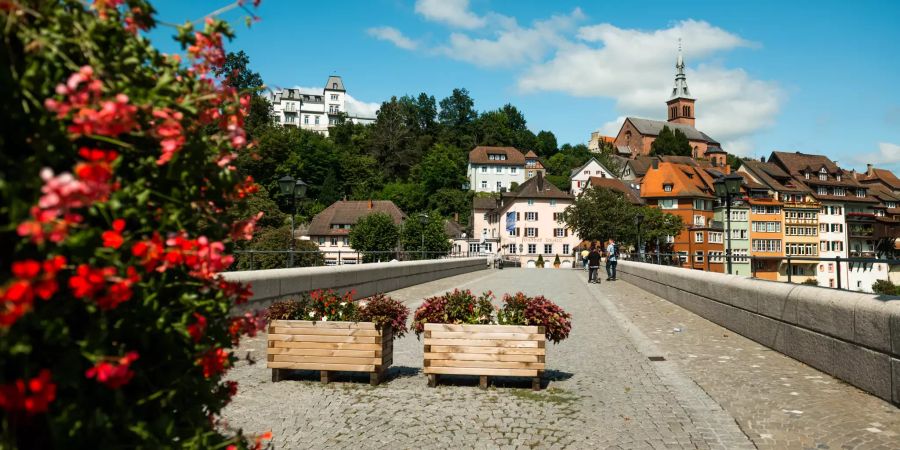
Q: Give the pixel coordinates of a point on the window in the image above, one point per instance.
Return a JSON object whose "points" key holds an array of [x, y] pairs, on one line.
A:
{"points": [[557, 216], [484, 184], [823, 246], [346, 242], [738, 234], [739, 215], [716, 257], [760, 209], [548, 249], [530, 201], [483, 169], [499, 185], [559, 232], [334, 242], [798, 270], [715, 237], [531, 232], [806, 175], [334, 96], [668, 203], [839, 191], [670, 239], [823, 177], [531, 216], [552, 202], [587, 172], [513, 170], [793, 249], [698, 256], [317, 120], [822, 190], [565, 249], [766, 227], [321, 241], [511, 248], [499, 169], [703, 205], [667, 187], [766, 245], [860, 192], [532, 248], [698, 236], [474, 247], [837, 246], [699, 220], [306, 120], [739, 256], [837, 228]]}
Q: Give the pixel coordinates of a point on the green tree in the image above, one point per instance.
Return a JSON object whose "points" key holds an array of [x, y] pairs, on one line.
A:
{"points": [[671, 143], [236, 72], [278, 239], [426, 113], [457, 116], [429, 238], [734, 161], [442, 167], [545, 144], [374, 234], [392, 137], [409, 197]]}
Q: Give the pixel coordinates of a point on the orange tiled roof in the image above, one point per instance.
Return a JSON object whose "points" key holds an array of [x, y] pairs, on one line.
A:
{"points": [[686, 181]]}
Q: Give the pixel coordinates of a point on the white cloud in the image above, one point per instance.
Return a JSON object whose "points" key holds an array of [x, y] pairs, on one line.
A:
{"points": [[636, 68], [887, 156], [511, 44], [354, 106], [451, 12], [393, 36]]}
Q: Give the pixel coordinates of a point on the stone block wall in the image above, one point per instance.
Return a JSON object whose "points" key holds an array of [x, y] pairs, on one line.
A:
{"points": [[850, 335]]}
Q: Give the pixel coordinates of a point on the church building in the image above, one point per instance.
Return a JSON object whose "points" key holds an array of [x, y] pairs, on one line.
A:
{"points": [[637, 135]]}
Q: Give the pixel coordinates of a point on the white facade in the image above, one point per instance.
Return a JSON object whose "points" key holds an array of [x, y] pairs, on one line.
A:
{"points": [[493, 177], [580, 177], [832, 244], [313, 111]]}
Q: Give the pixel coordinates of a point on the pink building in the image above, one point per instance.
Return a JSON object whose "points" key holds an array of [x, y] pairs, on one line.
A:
{"points": [[525, 223]]}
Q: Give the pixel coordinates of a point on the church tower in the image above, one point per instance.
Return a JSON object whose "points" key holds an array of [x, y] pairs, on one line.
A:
{"points": [[680, 103]]}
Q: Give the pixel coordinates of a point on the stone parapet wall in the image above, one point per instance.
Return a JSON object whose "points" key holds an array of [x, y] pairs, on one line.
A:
{"points": [[365, 279], [850, 335]]}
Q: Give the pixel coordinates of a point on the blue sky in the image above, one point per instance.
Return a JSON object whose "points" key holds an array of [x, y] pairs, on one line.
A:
{"points": [[811, 76]]}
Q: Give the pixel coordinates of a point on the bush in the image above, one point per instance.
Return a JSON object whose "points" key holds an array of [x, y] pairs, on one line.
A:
{"points": [[520, 309], [328, 306], [455, 308], [885, 287], [116, 173], [556, 261], [540, 261], [810, 282]]}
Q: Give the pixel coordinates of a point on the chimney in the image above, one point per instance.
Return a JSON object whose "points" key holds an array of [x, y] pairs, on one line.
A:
{"points": [[869, 169], [655, 163], [727, 169], [371, 203], [456, 217], [540, 181], [762, 159]]}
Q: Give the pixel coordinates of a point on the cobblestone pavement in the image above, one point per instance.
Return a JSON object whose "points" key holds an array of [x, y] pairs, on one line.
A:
{"points": [[602, 391], [777, 401]]}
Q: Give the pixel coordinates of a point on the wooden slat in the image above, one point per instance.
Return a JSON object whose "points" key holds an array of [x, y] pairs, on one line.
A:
{"points": [[485, 328], [324, 331], [494, 336], [486, 364], [314, 338], [324, 345], [322, 352], [485, 343], [487, 350], [320, 366], [481, 371], [319, 324], [323, 359], [484, 357]]}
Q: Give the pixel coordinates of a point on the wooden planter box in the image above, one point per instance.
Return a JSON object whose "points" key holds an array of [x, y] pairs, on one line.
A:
{"points": [[328, 347], [484, 350]]}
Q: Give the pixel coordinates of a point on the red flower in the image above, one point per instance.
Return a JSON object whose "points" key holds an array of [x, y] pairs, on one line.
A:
{"points": [[115, 373], [113, 238], [102, 285], [150, 252], [213, 362], [33, 396], [198, 328], [17, 297]]}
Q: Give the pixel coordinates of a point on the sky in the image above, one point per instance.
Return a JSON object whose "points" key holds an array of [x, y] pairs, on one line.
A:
{"points": [[814, 76]]}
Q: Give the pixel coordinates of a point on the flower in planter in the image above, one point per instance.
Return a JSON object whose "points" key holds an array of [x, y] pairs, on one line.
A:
{"points": [[457, 307], [519, 309], [326, 305]]}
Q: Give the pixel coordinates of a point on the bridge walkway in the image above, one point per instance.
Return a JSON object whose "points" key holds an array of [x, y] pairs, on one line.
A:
{"points": [[714, 389]]}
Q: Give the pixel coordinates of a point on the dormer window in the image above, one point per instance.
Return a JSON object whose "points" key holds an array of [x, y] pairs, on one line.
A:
{"points": [[806, 175], [667, 187], [860, 192], [839, 177], [823, 177]]}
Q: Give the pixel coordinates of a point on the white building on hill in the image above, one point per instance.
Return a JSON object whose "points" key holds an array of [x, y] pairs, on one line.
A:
{"points": [[311, 111]]}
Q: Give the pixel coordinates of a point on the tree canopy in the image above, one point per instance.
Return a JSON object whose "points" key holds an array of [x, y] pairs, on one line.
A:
{"points": [[671, 143], [374, 234], [428, 239]]}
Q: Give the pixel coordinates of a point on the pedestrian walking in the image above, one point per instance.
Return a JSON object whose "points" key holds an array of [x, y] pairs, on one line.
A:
{"points": [[584, 257], [593, 263], [612, 260]]}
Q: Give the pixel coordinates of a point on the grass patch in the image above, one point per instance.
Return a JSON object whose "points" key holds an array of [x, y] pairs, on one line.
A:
{"points": [[551, 395]]}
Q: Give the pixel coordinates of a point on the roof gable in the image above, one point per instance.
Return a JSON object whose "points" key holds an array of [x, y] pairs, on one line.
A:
{"points": [[580, 170], [482, 155], [649, 127], [348, 213]]}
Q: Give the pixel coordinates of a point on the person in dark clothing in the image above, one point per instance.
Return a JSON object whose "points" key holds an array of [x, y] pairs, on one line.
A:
{"points": [[612, 260], [593, 260]]}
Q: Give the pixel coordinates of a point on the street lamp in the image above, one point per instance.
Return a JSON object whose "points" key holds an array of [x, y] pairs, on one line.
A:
{"points": [[638, 219], [726, 188], [294, 188], [423, 219]]}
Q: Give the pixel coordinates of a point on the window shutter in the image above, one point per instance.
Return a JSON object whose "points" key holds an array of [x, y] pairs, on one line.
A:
{"points": [[536, 229], [517, 217], [566, 232], [535, 216]]}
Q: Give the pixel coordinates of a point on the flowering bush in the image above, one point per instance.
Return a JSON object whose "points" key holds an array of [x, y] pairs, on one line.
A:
{"points": [[454, 307], [116, 175], [328, 306], [520, 309]]}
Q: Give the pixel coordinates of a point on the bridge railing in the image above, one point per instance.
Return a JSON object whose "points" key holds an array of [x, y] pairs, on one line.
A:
{"points": [[790, 269], [285, 259]]}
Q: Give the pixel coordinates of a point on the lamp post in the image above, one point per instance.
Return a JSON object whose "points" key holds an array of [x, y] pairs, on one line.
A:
{"points": [[726, 188], [294, 188], [423, 219], [638, 219]]}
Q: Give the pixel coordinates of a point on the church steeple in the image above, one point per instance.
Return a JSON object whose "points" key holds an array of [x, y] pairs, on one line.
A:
{"points": [[681, 103]]}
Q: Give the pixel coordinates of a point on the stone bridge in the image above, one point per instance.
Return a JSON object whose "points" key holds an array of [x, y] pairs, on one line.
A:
{"points": [[638, 371]]}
